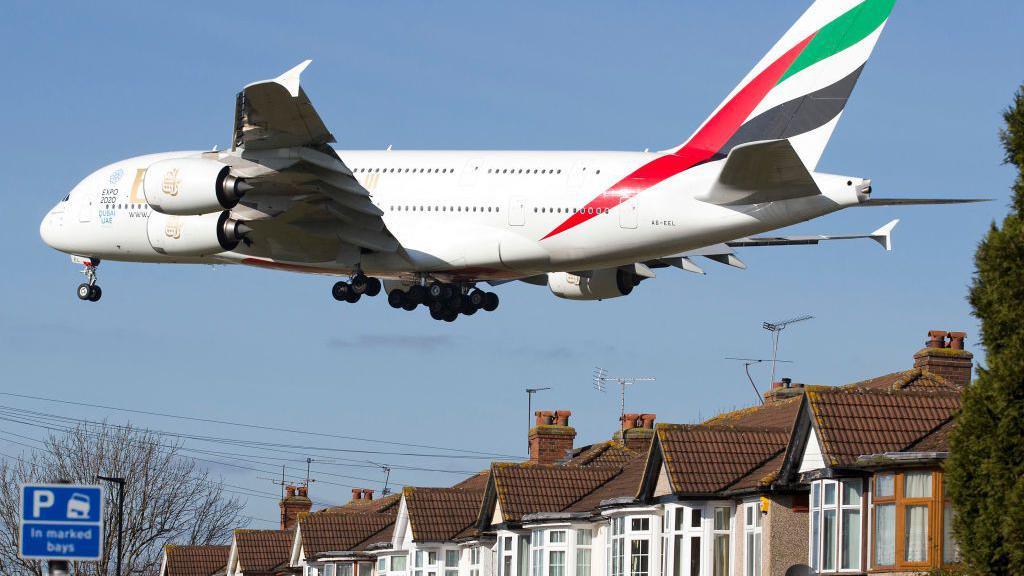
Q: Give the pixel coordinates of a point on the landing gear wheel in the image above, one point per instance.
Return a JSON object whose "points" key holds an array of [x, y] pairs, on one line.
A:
{"points": [[435, 291], [450, 316], [84, 291], [408, 305], [476, 298], [352, 297], [469, 310], [396, 298], [373, 287], [454, 303], [360, 283], [340, 290], [95, 293], [417, 294], [490, 302], [436, 313]]}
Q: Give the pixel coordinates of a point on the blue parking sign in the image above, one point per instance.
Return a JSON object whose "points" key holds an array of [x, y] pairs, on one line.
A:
{"points": [[61, 522]]}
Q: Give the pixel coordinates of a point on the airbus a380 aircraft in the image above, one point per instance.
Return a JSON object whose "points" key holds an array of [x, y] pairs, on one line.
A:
{"points": [[433, 225]]}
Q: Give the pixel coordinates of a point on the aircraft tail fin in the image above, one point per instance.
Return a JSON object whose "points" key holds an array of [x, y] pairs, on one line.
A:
{"points": [[799, 89]]}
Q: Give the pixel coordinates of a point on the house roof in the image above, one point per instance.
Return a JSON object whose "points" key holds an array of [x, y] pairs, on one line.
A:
{"points": [[530, 488], [194, 560], [706, 459], [382, 504], [913, 379], [260, 551], [477, 481], [624, 485], [346, 531], [775, 415], [441, 514], [855, 421], [602, 454]]}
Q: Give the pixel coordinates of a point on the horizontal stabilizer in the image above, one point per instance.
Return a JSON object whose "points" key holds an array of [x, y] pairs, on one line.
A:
{"points": [[759, 172], [919, 201]]}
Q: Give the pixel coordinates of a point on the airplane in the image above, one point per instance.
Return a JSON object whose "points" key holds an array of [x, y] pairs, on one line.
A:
{"points": [[428, 227]]}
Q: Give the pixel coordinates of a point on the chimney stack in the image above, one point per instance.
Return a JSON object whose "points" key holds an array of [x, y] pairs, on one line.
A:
{"points": [[551, 438], [944, 355], [783, 389], [294, 506], [636, 431]]}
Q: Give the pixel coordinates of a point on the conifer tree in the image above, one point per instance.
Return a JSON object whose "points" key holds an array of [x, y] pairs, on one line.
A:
{"points": [[985, 472]]}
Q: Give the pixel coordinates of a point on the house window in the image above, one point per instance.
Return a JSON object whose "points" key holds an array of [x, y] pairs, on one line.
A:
{"points": [[505, 552], [382, 564], [752, 533], [637, 542], [907, 507], [365, 568], [398, 563], [584, 539], [344, 569], [722, 528], [836, 528], [556, 563], [328, 569], [474, 561], [639, 557], [451, 563]]}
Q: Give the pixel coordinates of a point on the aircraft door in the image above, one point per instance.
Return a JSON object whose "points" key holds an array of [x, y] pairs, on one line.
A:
{"points": [[517, 211], [628, 217], [471, 172], [85, 203]]}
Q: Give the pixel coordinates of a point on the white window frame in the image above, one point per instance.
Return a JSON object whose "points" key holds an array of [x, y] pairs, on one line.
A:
{"points": [[818, 507], [622, 535], [752, 531]]}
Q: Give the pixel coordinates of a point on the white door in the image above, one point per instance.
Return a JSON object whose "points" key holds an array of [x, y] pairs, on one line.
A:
{"points": [[628, 216], [517, 212], [471, 172], [85, 203]]}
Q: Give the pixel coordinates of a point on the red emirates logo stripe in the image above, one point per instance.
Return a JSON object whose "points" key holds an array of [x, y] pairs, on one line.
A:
{"points": [[701, 148]]}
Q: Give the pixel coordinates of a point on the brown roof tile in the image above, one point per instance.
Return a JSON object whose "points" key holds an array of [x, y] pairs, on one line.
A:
{"points": [[602, 454], [347, 531], [260, 551], [857, 421], [477, 481], [777, 415], [913, 379], [625, 484], [441, 514], [195, 560], [702, 459], [529, 488], [382, 504]]}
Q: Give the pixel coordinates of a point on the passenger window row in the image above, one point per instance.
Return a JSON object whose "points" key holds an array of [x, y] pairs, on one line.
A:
{"points": [[405, 170], [568, 210], [427, 208]]}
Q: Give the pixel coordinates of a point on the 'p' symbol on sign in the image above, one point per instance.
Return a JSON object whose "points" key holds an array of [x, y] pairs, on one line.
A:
{"points": [[41, 499]]}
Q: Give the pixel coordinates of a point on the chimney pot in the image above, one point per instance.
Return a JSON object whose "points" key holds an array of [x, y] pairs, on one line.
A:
{"points": [[956, 340], [562, 417], [301, 491], [787, 382], [629, 421], [357, 494], [648, 420], [367, 494], [544, 417], [776, 385], [936, 339]]}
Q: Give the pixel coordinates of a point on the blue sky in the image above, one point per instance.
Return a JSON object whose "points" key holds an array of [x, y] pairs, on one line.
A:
{"points": [[91, 84]]}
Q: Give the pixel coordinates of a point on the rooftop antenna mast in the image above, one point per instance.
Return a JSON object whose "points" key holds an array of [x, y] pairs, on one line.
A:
{"points": [[601, 378], [387, 477], [776, 328], [747, 363], [529, 410]]}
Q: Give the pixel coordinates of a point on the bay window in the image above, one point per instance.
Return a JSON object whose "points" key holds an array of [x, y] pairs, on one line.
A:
{"points": [[752, 534], [451, 563], [636, 541], [721, 531], [836, 528]]}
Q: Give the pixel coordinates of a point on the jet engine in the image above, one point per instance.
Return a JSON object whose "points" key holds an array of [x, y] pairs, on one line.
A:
{"points": [[601, 284], [200, 235], [190, 186]]}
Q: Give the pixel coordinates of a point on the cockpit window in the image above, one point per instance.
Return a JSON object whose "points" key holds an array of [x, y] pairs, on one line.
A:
{"points": [[66, 197]]}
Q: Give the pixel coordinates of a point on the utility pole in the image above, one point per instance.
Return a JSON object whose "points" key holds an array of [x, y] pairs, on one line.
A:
{"points": [[120, 517], [529, 411]]}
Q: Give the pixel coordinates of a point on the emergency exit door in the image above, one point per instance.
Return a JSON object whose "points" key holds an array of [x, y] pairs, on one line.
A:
{"points": [[517, 212], [628, 217]]}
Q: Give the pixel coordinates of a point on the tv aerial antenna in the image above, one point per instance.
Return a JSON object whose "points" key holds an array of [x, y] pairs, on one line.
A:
{"points": [[601, 379], [747, 363], [529, 408], [775, 329]]}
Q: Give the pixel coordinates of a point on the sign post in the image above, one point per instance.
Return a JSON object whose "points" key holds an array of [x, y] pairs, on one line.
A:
{"points": [[61, 522]]}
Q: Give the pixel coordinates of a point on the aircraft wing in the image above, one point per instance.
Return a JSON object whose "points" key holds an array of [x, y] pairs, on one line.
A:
{"points": [[303, 190], [757, 172], [725, 253]]}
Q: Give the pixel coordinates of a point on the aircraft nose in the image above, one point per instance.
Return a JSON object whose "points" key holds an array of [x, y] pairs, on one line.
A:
{"points": [[50, 229]]}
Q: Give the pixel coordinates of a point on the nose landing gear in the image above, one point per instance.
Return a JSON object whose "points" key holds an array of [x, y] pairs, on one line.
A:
{"points": [[90, 290]]}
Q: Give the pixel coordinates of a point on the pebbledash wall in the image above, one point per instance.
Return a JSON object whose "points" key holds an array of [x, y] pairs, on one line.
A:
{"points": [[817, 480]]}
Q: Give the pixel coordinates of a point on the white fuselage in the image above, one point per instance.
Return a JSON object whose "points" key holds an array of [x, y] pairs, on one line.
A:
{"points": [[458, 215]]}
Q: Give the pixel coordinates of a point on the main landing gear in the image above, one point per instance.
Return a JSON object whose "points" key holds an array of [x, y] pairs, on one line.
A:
{"points": [[444, 301], [352, 291], [90, 290]]}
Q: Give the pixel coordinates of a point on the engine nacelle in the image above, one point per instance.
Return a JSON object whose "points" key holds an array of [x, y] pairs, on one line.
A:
{"points": [[602, 284], [201, 235], [191, 186]]}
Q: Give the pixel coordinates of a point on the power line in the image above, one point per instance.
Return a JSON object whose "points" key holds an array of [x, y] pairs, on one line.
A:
{"points": [[255, 426]]}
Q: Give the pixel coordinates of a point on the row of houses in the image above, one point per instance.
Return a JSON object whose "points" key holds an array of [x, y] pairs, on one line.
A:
{"points": [[815, 480]]}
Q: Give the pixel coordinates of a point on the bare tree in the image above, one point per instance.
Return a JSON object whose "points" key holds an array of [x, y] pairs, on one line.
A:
{"points": [[168, 497]]}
